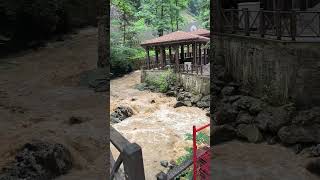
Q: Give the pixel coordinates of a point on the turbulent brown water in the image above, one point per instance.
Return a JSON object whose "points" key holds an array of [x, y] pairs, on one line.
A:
{"points": [[158, 127]]}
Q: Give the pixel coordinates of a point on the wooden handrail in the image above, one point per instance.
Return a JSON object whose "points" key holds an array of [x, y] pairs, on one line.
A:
{"points": [[130, 156]]}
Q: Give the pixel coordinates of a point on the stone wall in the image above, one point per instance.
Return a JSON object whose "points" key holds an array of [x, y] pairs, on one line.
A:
{"points": [[192, 83], [195, 83], [277, 70]]}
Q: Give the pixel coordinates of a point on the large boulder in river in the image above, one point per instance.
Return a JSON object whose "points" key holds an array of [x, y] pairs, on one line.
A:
{"points": [[120, 114], [220, 134], [306, 117], [250, 132], [273, 118], [300, 134], [39, 160]]}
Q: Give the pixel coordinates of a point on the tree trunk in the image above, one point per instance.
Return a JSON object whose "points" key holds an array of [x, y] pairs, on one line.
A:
{"points": [[103, 34], [177, 16]]}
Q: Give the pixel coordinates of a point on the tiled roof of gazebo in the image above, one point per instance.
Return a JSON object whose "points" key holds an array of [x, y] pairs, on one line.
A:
{"points": [[175, 38], [201, 32]]}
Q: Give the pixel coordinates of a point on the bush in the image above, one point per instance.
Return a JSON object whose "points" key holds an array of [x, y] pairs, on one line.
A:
{"points": [[163, 81]]}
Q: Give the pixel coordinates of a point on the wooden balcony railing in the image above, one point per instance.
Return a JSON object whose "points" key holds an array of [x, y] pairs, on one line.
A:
{"points": [[130, 156], [203, 70], [271, 24]]}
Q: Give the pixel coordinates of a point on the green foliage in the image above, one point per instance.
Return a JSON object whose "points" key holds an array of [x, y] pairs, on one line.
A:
{"points": [[162, 81], [204, 14], [164, 15], [201, 138]]}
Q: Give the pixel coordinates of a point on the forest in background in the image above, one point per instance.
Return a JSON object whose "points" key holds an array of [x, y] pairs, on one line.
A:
{"points": [[133, 21]]}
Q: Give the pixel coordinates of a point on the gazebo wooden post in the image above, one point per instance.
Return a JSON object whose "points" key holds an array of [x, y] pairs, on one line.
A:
{"points": [[204, 56], [176, 56], [194, 54], [182, 53], [188, 50], [170, 55], [163, 56], [148, 57], [157, 58], [200, 61]]}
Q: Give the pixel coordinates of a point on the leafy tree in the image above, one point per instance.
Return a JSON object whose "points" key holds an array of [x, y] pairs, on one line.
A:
{"points": [[163, 15], [126, 19], [204, 14]]}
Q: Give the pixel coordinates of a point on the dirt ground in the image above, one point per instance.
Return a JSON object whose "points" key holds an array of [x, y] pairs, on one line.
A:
{"points": [[39, 92], [244, 161]]}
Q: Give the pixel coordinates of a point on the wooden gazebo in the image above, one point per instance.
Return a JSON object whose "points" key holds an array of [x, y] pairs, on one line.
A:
{"points": [[182, 47]]}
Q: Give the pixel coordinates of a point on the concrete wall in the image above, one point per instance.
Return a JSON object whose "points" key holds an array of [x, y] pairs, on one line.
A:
{"points": [[192, 83], [281, 71]]}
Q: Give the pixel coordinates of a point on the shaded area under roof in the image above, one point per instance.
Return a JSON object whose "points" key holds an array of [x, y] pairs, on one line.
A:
{"points": [[175, 38]]}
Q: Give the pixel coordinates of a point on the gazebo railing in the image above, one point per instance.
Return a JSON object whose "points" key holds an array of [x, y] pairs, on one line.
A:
{"points": [[271, 24], [130, 156], [203, 70]]}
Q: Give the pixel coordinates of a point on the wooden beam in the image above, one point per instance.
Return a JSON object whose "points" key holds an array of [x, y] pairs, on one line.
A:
{"points": [[148, 58], [188, 50], [200, 59], [182, 53], [157, 56], [194, 53], [163, 56], [176, 55]]}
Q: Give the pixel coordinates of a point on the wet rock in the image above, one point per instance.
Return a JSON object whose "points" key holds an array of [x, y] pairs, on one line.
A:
{"points": [[220, 134], [141, 86], [250, 132], [297, 148], [133, 99], [179, 104], [307, 117], [313, 151], [171, 166], [171, 93], [234, 84], [164, 163], [187, 103], [228, 91], [215, 90], [180, 96], [195, 98], [272, 140], [39, 160], [314, 166], [204, 102], [219, 83], [253, 105], [244, 118], [273, 118], [300, 134], [152, 101], [226, 114], [120, 114]]}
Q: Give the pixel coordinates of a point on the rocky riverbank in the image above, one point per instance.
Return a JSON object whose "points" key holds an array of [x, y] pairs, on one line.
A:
{"points": [[238, 114]]}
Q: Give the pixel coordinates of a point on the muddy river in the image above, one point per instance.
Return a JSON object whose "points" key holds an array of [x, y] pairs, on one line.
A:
{"points": [[157, 127]]}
